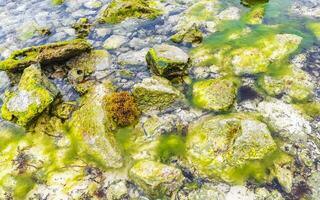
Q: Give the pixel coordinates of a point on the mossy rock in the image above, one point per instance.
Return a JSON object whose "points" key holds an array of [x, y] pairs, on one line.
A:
{"points": [[90, 129], [190, 35], [217, 146], [155, 178], [57, 2], [35, 93], [315, 28], [214, 94], [120, 10], [167, 61], [255, 15], [82, 27], [45, 54], [155, 93]]}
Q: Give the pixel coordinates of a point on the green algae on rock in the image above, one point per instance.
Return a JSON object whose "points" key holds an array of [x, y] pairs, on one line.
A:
{"points": [[214, 94], [45, 54], [120, 10], [35, 93], [315, 28], [82, 27], [155, 93], [167, 61], [57, 2], [218, 145], [155, 178], [122, 108], [90, 129], [255, 15], [81, 67], [190, 35]]}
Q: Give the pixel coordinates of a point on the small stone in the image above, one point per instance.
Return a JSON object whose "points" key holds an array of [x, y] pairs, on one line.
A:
{"points": [[167, 61], [190, 35], [133, 58], [117, 191], [214, 94], [114, 42], [240, 193], [155, 93], [93, 4], [155, 178]]}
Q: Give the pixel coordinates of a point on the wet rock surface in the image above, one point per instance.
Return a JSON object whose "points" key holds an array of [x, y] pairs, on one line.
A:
{"points": [[176, 99]]}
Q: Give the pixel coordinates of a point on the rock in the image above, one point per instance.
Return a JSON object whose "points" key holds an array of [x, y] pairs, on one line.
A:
{"points": [[297, 85], [167, 61], [45, 54], [82, 27], [93, 4], [114, 42], [156, 179], [155, 93], [4, 81], [214, 94], [282, 171], [218, 145], [117, 191], [133, 58], [255, 15], [206, 191], [34, 94], [250, 3], [285, 120], [120, 10], [264, 194], [81, 67], [253, 60], [313, 182], [315, 28], [231, 13], [92, 129], [240, 193], [191, 35]]}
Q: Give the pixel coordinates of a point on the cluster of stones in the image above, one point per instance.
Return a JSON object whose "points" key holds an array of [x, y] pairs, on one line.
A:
{"points": [[86, 159]]}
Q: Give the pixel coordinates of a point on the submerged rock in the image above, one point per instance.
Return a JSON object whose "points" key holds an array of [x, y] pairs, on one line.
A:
{"points": [[45, 54], [214, 94], [167, 61], [120, 10], [286, 120], [34, 94], [255, 15], [155, 93], [82, 27], [156, 179], [315, 28], [219, 145], [114, 42], [190, 35], [91, 128]]}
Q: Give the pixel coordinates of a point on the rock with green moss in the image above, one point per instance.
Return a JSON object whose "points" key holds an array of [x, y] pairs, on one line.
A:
{"points": [[57, 2], [315, 28], [155, 178], [296, 84], [81, 67], [167, 61], [282, 170], [45, 54], [256, 59], [219, 145], [255, 15], [120, 10], [34, 94], [82, 27], [91, 129], [190, 35], [155, 93], [214, 94]]}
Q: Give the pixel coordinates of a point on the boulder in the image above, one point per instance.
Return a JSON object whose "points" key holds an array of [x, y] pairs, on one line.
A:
{"points": [[45, 54], [155, 93], [167, 61], [34, 94], [155, 178], [120, 10], [214, 94], [218, 145]]}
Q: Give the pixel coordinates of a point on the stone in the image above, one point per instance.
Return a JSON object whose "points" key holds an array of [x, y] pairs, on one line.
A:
{"points": [[240, 193], [117, 191], [218, 145], [282, 171], [82, 27], [92, 128], [255, 15], [206, 191], [315, 28], [114, 42], [120, 10], [167, 61], [214, 94], [191, 35], [45, 54], [287, 121], [297, 85], [93, 4], [133, 58], [155, 178], [313, 182], [34, 94], [155, 93]]}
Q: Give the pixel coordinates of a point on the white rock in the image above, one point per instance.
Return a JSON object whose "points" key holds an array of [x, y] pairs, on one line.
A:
{"points": [[134, 58], [240, 193], [114, 42]]}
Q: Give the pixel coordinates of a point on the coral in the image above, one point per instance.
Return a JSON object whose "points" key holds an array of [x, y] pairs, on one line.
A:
{"points": [[121, 108], [120, 10], [45, 54]]}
